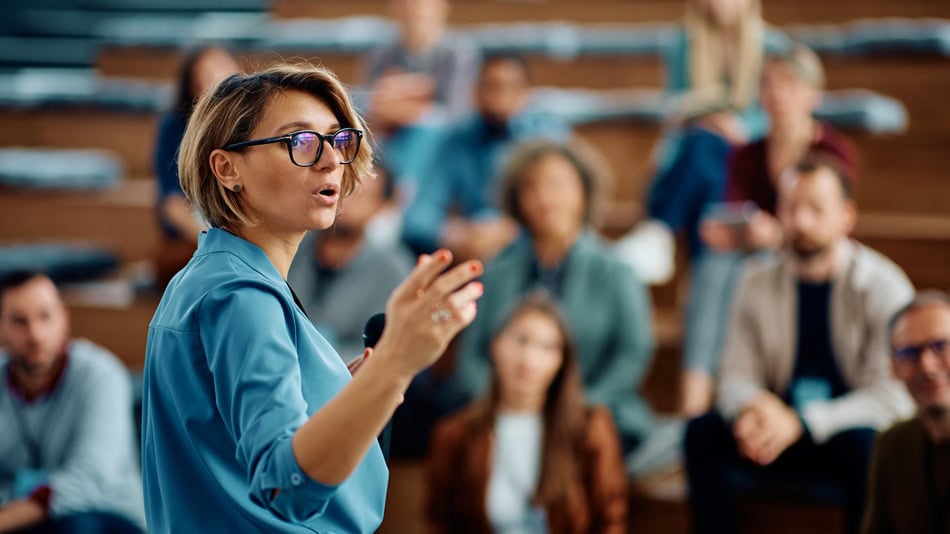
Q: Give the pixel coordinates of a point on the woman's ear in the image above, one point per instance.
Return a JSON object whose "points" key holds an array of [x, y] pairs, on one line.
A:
{"points": [[225, 168]]}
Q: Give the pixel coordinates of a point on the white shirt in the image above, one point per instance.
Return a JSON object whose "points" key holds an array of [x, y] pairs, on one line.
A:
{"points": [[515, 472]]}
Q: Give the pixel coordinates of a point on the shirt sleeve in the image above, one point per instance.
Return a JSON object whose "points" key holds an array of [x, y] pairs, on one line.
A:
{"points": [[741, 371], [248, 335], [461, 79], [102, 416], [424, 221], [634, 335]]}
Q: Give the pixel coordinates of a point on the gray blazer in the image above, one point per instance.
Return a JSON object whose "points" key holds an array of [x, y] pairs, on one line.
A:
{"points": [[759, 352], [608, 312]]}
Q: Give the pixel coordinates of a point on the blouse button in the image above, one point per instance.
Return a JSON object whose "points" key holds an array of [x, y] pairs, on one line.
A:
{"points": [[296, 479]]}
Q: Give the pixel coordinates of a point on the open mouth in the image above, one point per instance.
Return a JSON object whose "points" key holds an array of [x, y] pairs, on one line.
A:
{"points": [[328, 191]]}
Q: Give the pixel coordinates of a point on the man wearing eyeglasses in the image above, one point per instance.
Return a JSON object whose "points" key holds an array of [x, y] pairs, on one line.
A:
{"points": [[910, 470]]}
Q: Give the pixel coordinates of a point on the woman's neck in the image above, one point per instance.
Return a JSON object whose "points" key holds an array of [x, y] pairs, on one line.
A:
{"points": [[552, 249], [280, 248], [523, 403], [799, 132], [788, 142]]}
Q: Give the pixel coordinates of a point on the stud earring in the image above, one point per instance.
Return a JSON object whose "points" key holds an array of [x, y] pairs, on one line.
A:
{"points": [[236, 188]]}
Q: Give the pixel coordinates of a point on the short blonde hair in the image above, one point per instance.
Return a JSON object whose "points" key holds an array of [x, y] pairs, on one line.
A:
{"points": [[229, 114], [804, 63]]}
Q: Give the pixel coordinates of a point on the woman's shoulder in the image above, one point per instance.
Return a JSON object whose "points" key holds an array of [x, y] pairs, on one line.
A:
{"points": [[220, 279]]}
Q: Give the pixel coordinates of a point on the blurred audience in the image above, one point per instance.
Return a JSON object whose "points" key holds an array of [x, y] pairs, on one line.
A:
{"points": [[909, 486], [419, 84], [342, 276], [549, 189], [68, 451], [456, 206], [201, 70], [529, 456], [713, 72], [747, 224], [805, 381]]}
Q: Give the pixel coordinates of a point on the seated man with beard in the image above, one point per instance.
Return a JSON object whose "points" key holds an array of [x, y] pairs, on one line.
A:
{"points": [[805, 382]]}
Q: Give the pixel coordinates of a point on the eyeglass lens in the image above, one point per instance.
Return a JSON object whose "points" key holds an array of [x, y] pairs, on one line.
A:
{"points": [[306, 147], [940, 348]]}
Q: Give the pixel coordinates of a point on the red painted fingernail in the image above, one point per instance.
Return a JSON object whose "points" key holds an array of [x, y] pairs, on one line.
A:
{"points": [[443, 255], [479, 287], [475, 267]]}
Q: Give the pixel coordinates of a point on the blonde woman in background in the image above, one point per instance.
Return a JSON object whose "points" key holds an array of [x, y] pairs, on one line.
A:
{"points": [[713, 69]]}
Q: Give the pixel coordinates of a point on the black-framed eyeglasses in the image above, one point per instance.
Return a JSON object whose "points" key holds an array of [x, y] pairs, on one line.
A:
{"points": [[306, 146], [912, 354]]}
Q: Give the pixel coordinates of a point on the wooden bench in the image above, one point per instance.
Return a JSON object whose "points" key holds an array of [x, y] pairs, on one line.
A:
{"points": [[131, 135], [123, 329], [122, 219]]}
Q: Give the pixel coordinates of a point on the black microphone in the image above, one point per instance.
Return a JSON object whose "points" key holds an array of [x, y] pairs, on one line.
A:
{"points": [[373, 330]]}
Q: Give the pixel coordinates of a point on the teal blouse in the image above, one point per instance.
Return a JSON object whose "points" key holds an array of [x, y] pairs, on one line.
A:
{"points": [[233, 367]]}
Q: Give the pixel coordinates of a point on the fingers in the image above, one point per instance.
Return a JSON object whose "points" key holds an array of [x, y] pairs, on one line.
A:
{"points": [[427, 269], [358, 362], [448, 283], [462, 304]]}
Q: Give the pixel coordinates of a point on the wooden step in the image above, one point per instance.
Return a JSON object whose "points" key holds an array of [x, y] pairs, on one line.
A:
{"points": [[120, 218], [123, 329], [131, 135]]}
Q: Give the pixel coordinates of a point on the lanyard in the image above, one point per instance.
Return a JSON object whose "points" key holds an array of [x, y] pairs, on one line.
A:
{"points": [[32, 445]]}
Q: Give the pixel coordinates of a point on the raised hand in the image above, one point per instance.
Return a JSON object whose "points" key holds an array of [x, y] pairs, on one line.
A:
{"points": [[427, 310]]}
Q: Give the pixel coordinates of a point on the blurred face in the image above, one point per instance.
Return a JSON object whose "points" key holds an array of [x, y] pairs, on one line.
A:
{"points": [[212, 67], [528, 354], [335, 247], [927, 376], [285, 197], [785, 96], [421, 20], [34, 327], [723, 13], [552, 198], [502, 91], [814, 212]]}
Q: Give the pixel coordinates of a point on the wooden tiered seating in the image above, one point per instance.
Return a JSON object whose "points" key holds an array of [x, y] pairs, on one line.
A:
{"points": [[608, 11], [122, 219], [902, 191], [130, 134]]}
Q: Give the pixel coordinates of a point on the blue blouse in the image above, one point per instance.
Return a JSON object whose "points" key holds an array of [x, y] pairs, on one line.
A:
{"points": [[233, 367]]}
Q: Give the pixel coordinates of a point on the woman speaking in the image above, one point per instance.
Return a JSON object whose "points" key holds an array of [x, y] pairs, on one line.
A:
{"points": [[251, 421]]}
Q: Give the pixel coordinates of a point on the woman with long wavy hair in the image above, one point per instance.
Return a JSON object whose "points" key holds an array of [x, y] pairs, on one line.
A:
{"points": [[529, 456]]}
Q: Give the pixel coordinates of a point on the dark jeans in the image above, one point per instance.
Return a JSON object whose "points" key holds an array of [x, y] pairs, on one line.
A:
{"points": [[717, 473], [696, 179], [84, 523]]}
